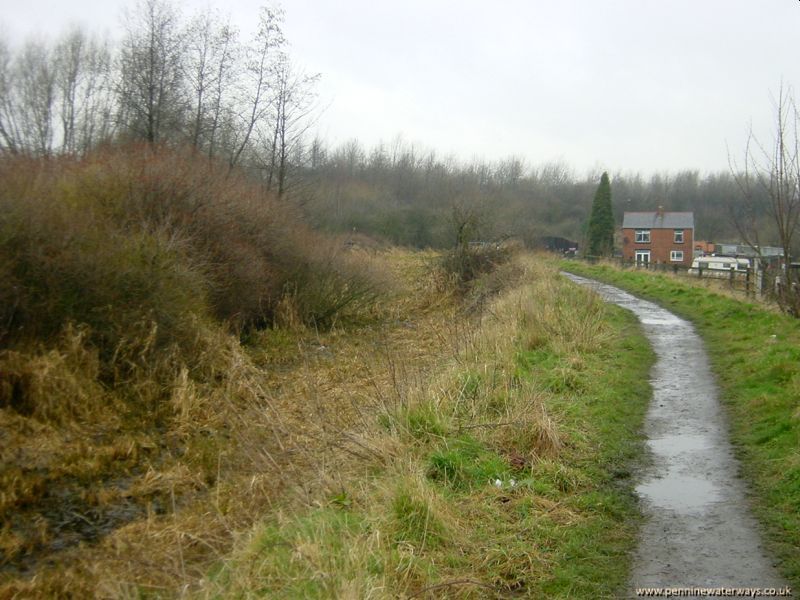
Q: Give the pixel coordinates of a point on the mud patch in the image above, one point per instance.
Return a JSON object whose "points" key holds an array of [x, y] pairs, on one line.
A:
{"points": [[61, 521]]}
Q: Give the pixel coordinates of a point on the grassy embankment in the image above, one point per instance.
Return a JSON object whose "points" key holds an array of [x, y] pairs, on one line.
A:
{"points": [[504, 472], [200, 395], [755, 354]]}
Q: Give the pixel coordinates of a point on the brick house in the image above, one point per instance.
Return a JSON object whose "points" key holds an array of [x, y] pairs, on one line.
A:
{"points": [[658, 237]]}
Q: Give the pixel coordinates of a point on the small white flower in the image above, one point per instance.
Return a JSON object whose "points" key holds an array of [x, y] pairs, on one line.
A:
{"points": [[498, 483]]}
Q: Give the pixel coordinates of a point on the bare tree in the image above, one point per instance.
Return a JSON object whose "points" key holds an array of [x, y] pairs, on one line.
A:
{"points": [[31, 99], [509, 172], [96, 122], [317, 153], [769, 181], [352, 156], [54, 98], [292, 117], [10, 134], [151, 95], [210, 70], [82, 78], [69, 58], [255, 97]]}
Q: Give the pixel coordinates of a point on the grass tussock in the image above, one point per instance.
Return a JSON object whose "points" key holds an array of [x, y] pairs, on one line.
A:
{"points": [[755, 357]]}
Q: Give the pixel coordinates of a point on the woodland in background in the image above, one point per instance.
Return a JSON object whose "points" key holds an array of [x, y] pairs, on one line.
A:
{"points": [[410, 197], [194, 82], [169, 80]]}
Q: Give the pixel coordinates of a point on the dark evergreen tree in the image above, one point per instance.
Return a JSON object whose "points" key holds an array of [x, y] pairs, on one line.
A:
{"points": [[600, 234]]}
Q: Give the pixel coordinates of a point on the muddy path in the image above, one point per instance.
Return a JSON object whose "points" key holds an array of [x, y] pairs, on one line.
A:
{"points": [[698, 529]]}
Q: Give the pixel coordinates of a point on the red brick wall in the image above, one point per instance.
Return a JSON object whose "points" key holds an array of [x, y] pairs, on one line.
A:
{"points": [[661, 244]]}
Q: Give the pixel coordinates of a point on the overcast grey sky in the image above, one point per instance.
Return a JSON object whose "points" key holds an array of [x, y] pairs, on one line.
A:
{"points": [[623, 85]]}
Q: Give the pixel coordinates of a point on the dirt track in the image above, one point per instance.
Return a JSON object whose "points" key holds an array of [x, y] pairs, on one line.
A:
{"points": [[698, 530]]}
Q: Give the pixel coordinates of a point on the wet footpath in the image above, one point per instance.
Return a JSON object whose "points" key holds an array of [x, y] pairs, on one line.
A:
{"points": [[698, 530]]}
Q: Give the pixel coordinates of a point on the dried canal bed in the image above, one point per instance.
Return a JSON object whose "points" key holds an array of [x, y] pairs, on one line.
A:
{"points": [[698, 530]]}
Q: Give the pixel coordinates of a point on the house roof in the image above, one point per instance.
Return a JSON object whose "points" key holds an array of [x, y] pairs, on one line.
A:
{"points": [[652, 220]]}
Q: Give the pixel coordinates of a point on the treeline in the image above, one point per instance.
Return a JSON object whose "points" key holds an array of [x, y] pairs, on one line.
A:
{"points": [[168, 80], [408, 196], [194, 82]]}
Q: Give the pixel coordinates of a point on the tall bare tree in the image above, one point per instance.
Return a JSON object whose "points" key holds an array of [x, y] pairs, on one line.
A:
{"points": [[293, 112], [32, 98], [257, 88], [10, 134], [83, 84], [212, 51], [769, 181], [96, 123], [69, 58], [151, 96]]}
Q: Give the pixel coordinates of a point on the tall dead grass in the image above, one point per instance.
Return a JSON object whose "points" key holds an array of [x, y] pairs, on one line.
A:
{"points": [[128, 404], [390, 521]]}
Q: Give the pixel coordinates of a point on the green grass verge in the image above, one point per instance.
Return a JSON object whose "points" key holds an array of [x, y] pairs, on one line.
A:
{"points": [[510, 474], [601, 404], [755, 355]]}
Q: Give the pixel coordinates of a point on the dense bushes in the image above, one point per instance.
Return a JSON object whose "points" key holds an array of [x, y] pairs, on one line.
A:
{"points": [[152, 240], [467, 262]]}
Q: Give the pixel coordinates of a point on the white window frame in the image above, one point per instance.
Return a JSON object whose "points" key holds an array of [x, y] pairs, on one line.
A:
{"points": [[678, 238], [642, 236], [642, 257], [676, 256]]}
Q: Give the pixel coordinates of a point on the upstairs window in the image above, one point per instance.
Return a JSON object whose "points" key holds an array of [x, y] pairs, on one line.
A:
{"points": [[642, 236], [679, 236]]}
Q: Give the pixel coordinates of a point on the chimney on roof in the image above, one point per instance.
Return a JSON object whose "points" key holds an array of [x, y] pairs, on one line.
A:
{"points": [[660, 212]]}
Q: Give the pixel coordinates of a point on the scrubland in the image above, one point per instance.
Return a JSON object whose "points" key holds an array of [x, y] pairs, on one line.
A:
{"points": [[200, 396]]}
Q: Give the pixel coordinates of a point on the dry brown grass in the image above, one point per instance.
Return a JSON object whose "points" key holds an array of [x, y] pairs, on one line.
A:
{"points": [[266, 425], [138, 434], [259, 444], [435, 376]]}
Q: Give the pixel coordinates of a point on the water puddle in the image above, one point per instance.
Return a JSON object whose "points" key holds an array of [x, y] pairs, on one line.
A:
{"points": [[680, 493], [669, 320], [675, 445]]}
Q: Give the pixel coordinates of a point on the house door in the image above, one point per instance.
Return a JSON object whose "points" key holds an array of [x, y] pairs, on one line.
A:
{"points": [[643, 257]]}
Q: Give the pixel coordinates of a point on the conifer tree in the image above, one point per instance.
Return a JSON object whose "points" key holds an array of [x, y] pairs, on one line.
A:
{"points": [[600, 234]]}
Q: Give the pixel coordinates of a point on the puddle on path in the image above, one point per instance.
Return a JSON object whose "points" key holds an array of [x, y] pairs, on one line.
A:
{"points": [[698, 530], [673, 445], [679, 493]]}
